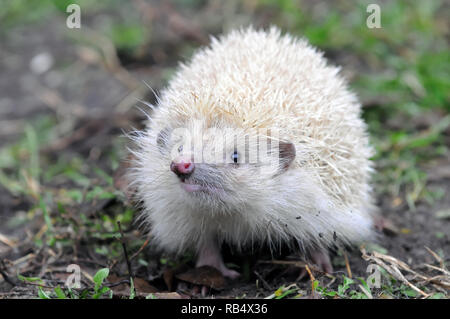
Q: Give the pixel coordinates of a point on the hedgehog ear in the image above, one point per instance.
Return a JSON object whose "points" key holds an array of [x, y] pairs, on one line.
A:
{"points": [[286, 154]]}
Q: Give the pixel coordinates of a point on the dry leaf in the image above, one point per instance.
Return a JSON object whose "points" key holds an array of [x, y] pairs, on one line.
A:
{"points": [[204, 276]]}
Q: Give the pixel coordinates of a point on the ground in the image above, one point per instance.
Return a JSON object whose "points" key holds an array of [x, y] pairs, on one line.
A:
{"points": [[68, 95]]}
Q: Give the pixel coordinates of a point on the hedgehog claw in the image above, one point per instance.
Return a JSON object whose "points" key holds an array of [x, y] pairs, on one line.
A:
{"points": [[232, 274]]}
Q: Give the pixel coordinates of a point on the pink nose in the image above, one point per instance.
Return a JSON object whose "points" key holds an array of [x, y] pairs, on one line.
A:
{"points": [[183, 168]]}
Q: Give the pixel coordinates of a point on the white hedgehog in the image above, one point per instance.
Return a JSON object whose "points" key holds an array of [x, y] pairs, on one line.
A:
{"points": [[247, 88]]}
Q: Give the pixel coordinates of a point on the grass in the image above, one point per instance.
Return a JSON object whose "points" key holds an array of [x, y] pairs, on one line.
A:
{"points": [[401, 73], [348, 288]]}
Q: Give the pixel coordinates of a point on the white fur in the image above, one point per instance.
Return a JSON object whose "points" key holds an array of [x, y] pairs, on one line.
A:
{"points": [[247, 80]]}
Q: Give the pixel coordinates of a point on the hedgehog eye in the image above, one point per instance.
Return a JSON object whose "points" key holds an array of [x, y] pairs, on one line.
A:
{"points": [[235, 157]]}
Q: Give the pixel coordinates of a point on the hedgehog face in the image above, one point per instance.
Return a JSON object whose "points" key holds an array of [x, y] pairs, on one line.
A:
{"points": [[216, 165]]}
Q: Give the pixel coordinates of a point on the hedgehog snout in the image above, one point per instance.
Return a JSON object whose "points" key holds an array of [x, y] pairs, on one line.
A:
{"points": [[182, 167]]}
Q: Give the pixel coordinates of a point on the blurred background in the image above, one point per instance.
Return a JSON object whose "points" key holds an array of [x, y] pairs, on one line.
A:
{"points": [[67, 95]]}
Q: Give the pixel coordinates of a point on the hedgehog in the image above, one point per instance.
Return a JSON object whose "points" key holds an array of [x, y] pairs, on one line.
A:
{"points": [[257, 140]]}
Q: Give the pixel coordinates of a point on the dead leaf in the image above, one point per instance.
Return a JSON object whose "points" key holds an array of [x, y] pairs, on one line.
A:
{"points": [[141, 285], [7, 241], [169, 295], [204, 276]]}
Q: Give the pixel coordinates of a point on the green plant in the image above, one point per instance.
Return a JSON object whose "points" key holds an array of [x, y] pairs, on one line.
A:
{"points": [[99, 277]]}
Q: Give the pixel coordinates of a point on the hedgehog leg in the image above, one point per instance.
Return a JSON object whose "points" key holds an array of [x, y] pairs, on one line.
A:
{"points": [[321, 258], [209, 255]]}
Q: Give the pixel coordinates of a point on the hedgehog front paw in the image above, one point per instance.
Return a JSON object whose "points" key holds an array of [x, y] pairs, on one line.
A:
{"points": [[216, 262], [322, 259], [209, 255]]}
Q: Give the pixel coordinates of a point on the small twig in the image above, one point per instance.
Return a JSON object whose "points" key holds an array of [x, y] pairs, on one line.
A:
{"points": [[437, 257], [445, 272], [437, 280], [23, 259], [6, 241], [365, 291], [125, 281], [311, 276], [140, 249], [130, 273], [347, 264], [392, 269], [37, 284]]}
